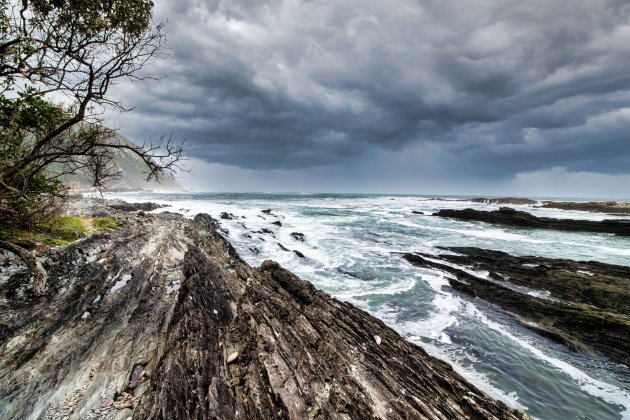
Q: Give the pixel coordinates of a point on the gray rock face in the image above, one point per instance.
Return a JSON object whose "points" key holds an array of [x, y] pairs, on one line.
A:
{"points": [[145, 322]]}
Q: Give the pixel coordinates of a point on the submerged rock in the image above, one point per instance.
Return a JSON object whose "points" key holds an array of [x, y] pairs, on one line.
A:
{"points": [[510, 217], [301, 353]]}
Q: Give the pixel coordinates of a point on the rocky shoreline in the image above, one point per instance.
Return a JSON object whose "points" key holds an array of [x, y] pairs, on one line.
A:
{"points": [[584, 305], [510, 217], [162, 319]]}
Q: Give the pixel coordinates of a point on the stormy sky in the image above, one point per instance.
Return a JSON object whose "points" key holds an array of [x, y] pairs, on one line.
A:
{"points": [[396, 96]]}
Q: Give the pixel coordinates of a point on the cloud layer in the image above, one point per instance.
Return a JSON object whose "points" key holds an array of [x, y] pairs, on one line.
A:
{"points": [[491, 88]]}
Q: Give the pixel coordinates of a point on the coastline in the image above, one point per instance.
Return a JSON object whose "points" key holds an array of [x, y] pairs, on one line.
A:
{"points": [[139, 318]]}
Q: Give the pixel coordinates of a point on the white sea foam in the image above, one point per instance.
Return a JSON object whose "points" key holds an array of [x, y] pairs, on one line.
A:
{"points": [[592, 386]]}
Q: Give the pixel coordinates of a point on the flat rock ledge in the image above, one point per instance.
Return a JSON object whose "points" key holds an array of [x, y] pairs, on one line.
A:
{"points": [[162, 320], [584, 305], [510, 217]]}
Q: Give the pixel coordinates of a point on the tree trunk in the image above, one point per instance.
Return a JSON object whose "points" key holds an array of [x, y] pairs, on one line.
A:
{"points": [[31, 262]]}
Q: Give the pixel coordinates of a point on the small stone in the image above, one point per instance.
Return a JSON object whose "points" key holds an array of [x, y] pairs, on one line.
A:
{"points": [[378, 340], [232, 357], [124, 405], [107, 403]]}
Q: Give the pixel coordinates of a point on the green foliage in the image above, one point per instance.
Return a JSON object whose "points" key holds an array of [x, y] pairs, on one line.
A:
{"points": [[62, 230], [25, 194], [104, 224]]}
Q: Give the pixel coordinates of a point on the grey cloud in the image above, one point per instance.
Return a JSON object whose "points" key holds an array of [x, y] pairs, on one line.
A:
{"points": [[501, 87]]}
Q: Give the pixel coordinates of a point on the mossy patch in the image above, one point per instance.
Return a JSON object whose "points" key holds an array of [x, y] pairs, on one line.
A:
{"points": [[68, 229], [104, 224], [62, 230]]}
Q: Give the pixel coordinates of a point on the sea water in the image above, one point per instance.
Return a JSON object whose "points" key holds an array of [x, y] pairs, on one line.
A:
{"points": [[352, 245]]}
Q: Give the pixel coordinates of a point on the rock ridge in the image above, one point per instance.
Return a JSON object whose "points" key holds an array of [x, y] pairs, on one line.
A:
{"points": [[510, 217], [161, 319]]}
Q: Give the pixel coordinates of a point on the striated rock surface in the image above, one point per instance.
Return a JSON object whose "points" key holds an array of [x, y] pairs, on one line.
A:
{"points": [[510, 217], [161, 319], [583, 305]]}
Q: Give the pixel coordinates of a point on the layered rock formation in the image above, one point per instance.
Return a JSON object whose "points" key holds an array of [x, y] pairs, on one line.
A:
{"points": [[161, 319], [612, 207], [583, 305], [510, 217]]}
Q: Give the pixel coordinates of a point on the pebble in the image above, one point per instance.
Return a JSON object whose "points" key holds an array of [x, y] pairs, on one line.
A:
{"points": [[232, 357], [378, 340]]}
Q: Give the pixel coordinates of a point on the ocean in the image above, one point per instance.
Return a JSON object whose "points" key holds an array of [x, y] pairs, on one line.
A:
{"points": [[352, 246]]}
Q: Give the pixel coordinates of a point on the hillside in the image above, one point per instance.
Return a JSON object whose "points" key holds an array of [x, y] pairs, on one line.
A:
{"points": [[134, 175]]}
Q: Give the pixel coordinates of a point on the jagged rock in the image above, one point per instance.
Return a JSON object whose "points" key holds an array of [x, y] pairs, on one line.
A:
{"points": [[298, 253], [301, 353], [267, 211], [583, 305], [510, 217], [277, 223], [297, 236], [227, 216]]}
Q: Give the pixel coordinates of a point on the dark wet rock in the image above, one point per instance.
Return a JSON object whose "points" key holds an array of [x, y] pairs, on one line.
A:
{"points": [[298, 253], [282, 247], [228, 216], [417, 212], [297, 236], [267, 211], [504, 200], [264, 231], [300, 353], [277, 223], [510, 217], [254, 250], [583, 305]]}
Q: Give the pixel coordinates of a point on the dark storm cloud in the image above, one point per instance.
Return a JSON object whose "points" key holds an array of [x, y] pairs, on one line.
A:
{"points": [[500, 87]]}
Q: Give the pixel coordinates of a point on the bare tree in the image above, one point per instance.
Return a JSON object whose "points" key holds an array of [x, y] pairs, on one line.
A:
{"points": [[73, 52]]}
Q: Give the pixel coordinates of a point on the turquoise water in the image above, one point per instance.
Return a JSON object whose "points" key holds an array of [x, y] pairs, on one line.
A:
{"points": [[352, 244]]}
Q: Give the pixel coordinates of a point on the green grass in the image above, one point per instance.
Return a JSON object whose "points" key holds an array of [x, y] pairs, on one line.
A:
{"points": [[67, 229], [62, 230], [104, 224]]}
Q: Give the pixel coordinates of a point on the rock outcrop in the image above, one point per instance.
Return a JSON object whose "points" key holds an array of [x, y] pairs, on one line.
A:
{"points": [[161, 319], [583, 305], [510, 217], [612, 207], [504, 200]]}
